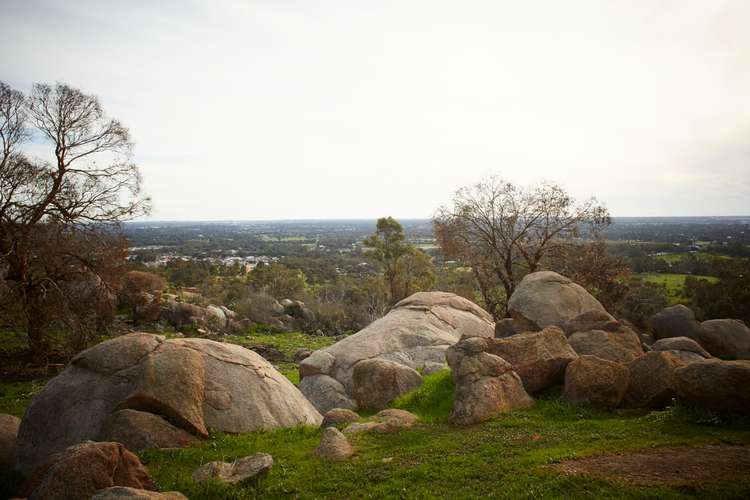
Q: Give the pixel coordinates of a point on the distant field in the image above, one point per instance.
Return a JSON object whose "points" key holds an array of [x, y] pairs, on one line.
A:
{"points": [[671, 258], [271, 238], [675, 283]]}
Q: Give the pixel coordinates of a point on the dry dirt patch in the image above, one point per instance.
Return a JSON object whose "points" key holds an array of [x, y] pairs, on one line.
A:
{"points": [[666, 465]]}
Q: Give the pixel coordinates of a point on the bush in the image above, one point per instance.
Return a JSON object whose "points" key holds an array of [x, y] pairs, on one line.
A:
{"points": [[141, 292], [259, 308]]}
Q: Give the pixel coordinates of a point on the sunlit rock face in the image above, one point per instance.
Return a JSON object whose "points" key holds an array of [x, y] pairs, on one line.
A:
{"points": [[415, 334], [193, 385]]}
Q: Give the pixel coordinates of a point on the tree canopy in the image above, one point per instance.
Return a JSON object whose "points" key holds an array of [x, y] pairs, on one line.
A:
{"points": [[59, 238], [504, 231]]}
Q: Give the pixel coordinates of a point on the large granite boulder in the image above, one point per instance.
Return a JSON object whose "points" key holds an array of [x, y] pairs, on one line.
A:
{"points": [[594, 319], [620, 346], [595, 382], [325, 392], [79, 471], [539, 358], [726, 338], [415, 333], [377, 382], [507, 327], [675, 321], [9, 425], [686, 349], [680, 344], [546, 298], [188, 385], [486, 385], [334, 445], [180, 314], [140, 430], [652, 382], [338, 416], [240, 471], [714, 384]]}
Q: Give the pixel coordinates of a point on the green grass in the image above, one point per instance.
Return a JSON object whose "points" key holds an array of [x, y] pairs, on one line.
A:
{"points": [[16, 396], [508, 457], [433, 400], [288, 343], [672, 258], [674, 283]]}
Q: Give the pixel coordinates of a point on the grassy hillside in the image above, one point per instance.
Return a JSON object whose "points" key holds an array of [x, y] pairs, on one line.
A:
{"points": [[512, 456], [509, 457]]}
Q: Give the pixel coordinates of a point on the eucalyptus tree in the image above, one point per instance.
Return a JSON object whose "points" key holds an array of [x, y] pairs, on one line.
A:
{"points": [[503, 231], [60, 216]]}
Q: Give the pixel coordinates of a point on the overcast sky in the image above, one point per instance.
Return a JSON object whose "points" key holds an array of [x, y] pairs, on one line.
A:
{"points": [[276, 109]]}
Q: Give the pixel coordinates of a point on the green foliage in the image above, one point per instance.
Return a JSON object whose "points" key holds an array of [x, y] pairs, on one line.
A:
{"points": [[726, 297], [433, 400], [674, 283], [278, 281], [644, 299], [406, 268], [187, 273], [287, 343], [16, 396], [458, 280]]}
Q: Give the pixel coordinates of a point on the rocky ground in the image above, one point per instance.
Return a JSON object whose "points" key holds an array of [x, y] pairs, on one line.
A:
{"points": [[432, 400]]}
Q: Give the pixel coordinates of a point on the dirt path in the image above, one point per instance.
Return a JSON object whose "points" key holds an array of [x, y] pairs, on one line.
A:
{"points": [[666, 465]]}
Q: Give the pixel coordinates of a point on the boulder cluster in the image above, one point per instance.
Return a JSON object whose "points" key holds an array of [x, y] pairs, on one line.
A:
{"points": [[283, 315], [140, 391], [383, 361], [559, 334], [149, 392]]}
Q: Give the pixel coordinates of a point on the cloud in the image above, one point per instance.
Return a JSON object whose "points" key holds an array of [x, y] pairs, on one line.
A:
{"points": [[292, 109]]}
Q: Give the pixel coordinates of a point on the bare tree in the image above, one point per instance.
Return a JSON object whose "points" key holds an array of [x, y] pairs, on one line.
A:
{"points": [[75, 200], [503, 231]]}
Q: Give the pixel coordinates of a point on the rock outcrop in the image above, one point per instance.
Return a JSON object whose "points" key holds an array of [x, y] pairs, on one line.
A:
{"points": [[686, 349], [726, 338], [377, 382], [675, 321], [539, 358], [680, 344], [139, 430], [507, 327], [241, 470], [334, 445], [384, 422], [325, 392], [594, 319], [338, 416], [415, 333], [191, 384], [620, 346], [714, 384], [652, 382], [9, 425], [595, 382], [546, 298], [125, 493], [81, 470], [486, 385]]}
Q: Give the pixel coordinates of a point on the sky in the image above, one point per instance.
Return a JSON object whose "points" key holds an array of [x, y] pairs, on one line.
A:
{"points": [[285, 109]]}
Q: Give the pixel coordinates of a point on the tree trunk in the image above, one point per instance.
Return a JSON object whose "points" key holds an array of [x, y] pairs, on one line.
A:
{"points": [[35, 332]]}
